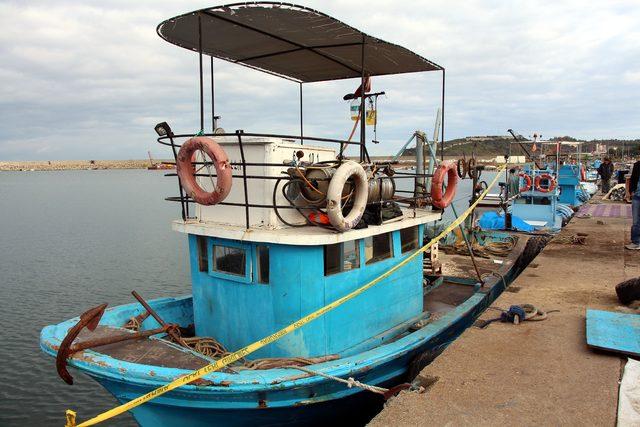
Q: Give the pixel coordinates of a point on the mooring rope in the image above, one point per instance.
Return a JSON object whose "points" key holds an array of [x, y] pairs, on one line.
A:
{"points": [[350, 382]]}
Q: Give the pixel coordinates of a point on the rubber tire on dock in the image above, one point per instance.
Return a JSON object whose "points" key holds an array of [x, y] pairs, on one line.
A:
{"points": [[628, 291]]}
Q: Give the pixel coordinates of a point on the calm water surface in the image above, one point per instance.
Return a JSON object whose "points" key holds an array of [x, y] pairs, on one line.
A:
{"points": [[71, 240]]}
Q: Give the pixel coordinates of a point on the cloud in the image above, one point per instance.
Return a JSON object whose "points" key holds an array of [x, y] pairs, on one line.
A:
{"points": [[89, 80]]}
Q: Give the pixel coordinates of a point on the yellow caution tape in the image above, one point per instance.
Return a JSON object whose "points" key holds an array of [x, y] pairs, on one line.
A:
{"points": [[221, 363]]}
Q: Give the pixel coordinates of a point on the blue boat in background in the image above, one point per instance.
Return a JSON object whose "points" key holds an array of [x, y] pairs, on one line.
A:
{"points": [[280, 226], [548, 192]]}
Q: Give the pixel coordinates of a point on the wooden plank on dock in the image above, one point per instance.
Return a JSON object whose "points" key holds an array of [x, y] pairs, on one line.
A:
{"points": [[616, 332]]}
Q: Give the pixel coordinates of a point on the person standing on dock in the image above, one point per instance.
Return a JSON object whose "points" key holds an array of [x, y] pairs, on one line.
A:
{"points": [[605, 170], [634, 189], [514, 182]]}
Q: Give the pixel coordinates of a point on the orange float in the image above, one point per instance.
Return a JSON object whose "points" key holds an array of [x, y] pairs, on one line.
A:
{"points": [[544, 177], [439, 199], [527, 182]]}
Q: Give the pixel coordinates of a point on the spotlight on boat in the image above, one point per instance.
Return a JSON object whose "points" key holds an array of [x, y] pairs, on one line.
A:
{"points": [[163, 129]]}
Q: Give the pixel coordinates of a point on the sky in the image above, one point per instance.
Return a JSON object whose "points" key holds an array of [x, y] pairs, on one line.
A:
{"points": [[89, 79]]}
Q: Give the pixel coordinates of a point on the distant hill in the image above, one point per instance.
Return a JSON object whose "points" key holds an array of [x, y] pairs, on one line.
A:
{"points": [[497, 145], [483, 146]]}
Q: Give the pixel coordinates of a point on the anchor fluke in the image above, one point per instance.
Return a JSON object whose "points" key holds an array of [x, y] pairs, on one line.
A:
{"points": [[89, 319]]}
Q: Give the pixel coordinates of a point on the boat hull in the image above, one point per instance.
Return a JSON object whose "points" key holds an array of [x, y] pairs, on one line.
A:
{"points": [[312, 405], [300, 399]]}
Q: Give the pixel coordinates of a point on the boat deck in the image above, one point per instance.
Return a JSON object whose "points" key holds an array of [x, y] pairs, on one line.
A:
{"points": [[446, 297], [147, 351], [157, 352], [537, 372], [306, 235]]}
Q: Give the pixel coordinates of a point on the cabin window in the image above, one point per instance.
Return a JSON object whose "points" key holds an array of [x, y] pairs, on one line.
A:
{"points": [[262, 261], [377, 248], [229, 260], [341, 257], [203, 253], [409, 239]]}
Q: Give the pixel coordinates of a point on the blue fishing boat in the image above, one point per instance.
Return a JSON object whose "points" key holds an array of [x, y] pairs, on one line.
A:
{"points": [[304, 240], [549, 190]]}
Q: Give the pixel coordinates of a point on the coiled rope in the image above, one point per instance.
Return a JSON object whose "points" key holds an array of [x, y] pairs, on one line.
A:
{"points": [[495, 248]]}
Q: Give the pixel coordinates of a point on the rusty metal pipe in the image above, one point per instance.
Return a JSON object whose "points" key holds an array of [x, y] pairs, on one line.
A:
{"points": [[170, 330]]}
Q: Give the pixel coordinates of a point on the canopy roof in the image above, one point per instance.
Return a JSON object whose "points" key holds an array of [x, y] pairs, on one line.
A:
{"points": [[291, 41]]}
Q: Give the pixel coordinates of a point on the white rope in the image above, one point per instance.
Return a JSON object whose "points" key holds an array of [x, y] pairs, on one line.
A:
{"points": [[350, 382]]}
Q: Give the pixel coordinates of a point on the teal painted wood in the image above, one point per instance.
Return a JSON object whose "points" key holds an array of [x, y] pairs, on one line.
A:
{"points": [[617, 332], [239, 311], [569, 183]]}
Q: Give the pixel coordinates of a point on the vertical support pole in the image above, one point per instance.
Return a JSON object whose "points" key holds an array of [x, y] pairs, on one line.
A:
{"points": [[201, 77], [213, 102], [362, 114], [507, 185], [469, 248], [442, 119], [419, 185], [244, 178], [301, 120], [433, 149], [183, 204], [558, 161]]}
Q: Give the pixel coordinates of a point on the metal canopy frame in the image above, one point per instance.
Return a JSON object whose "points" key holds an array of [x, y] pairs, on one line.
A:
{"points": [[313, 49], [289, 37], [164, 31], [363, 73]]}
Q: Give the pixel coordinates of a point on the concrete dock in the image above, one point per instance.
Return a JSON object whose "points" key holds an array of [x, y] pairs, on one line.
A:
{"points": [[535, 373]]}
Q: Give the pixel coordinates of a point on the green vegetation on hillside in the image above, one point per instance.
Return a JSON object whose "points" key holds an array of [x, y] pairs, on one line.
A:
{"points": [[497, 145]]}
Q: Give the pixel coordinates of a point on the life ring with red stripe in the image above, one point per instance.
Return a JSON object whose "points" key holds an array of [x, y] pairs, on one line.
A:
{"points": [[527, 182], [544, 177], [439, 199], [186, 168]]}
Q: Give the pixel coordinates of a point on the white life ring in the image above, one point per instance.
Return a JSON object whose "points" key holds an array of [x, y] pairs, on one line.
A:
{"points": [[347, 170]]}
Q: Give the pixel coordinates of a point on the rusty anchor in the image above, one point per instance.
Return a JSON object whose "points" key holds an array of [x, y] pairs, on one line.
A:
{"points": [[90, 319]]}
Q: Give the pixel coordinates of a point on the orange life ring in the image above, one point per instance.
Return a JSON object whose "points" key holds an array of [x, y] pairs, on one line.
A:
{"points": [[527, 182], [438, 199], [546, 177], [186, 169], [583, 173]]}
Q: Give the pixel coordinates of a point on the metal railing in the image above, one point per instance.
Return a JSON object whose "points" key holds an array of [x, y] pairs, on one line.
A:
{"points": [[185, 200]]}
